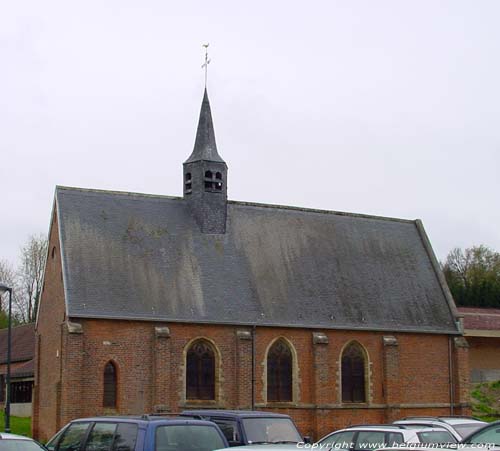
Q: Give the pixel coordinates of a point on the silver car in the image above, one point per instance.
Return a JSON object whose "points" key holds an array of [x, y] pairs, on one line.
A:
{"points": [[12, 442]]}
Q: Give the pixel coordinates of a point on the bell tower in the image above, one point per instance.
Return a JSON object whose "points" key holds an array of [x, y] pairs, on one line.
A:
{"points": [[205, 177]]}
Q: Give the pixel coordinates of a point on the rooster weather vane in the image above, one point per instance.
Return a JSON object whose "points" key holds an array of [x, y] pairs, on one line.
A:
{"points": [[206, 63]]}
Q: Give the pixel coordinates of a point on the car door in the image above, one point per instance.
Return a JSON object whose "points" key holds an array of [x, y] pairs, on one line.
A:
{"points": [[73, 437]]}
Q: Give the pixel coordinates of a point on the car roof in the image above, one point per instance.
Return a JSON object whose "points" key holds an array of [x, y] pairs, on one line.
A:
{"points": [[235, 413], [444, 419], [145, 419], [7, 436]]}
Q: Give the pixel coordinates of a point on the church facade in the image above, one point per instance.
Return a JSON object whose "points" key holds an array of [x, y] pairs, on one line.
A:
{"points": [[158, 304]]}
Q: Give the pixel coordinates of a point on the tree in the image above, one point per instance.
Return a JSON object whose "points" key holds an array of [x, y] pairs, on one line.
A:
{"points": [[33, 256], [9, 277], [473, 276]]}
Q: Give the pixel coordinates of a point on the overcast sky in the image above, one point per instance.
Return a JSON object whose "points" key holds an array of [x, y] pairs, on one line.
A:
{"points": [[381, 107]]}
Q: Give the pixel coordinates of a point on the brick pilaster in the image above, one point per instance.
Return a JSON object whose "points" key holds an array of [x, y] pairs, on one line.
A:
{"points": [[72, 374], [461, 376], [244, 344], [322, 382], [392, 384], [162, 370]]}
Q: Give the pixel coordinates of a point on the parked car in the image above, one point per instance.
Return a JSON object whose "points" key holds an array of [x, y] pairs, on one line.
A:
{"points": [[271, 448], [12, 442], [247, 427], [488, 434], [459, 426], [371, 437], [145, 433]]}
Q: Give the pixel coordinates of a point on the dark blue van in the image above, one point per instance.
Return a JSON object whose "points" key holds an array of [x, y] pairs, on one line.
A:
{"points": [[145, 433], [251, 427]]}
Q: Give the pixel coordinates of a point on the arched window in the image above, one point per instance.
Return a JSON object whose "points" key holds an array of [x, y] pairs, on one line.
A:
{"points": [[200, 371], [353, 374], [110, 383], [279, 372]]}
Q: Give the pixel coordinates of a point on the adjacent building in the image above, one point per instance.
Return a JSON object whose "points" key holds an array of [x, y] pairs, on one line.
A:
{"points": [[22, 368], [482, 329], [155, 303]]}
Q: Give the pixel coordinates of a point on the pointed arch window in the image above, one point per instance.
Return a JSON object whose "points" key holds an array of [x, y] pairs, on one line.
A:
{"points": [[280, 373], [353, 374], [200, 371], [110, 385]]}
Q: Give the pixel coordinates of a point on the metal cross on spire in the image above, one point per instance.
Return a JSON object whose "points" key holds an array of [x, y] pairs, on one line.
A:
{"points": [[207, 62]]}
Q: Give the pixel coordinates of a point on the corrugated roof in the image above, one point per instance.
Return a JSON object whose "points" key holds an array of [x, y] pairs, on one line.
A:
{"points": [[143, 257], [23, 343], [476, 318]]}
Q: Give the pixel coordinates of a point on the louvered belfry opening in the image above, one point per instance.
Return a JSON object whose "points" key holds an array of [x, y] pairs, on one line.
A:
{"points": [[110, 385], [353, 374], [280, 373], [200, 371]]}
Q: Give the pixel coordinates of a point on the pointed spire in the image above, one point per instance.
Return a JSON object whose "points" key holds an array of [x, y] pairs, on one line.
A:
{"points": [[205, 147]]}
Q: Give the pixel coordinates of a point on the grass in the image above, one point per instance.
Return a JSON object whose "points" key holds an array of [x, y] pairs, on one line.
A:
{"points": [[18, 425], [486, 400]]}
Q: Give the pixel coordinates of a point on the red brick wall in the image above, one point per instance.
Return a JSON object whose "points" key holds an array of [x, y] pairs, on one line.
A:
{"points": [[151, 373], [49, 341]]}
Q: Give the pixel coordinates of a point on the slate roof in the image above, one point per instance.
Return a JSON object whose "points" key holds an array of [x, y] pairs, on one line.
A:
{"points": [[23, 343], [136, 256]]}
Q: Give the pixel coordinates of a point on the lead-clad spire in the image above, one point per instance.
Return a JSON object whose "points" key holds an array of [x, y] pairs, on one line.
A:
{"points": [[205, 148], [205, 177]]}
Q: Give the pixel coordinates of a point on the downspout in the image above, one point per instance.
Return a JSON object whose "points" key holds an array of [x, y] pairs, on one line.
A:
{"points": [[450, 369], [254, 334]]}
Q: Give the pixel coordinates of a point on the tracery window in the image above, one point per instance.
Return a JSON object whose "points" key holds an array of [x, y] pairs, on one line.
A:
{"points": [[280, 372], [200, 371], [353, 374]]}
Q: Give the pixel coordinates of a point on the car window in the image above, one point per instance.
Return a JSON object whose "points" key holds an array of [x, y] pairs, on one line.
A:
{"points": [[467, 428], [19, 445], [342, 440], [188, 438], [51, 444], [126, 436], [489, 435], [73, 437], [270, 430], [229, 428], [394, 438], [368, 440], [436, 437], [101, 437]]}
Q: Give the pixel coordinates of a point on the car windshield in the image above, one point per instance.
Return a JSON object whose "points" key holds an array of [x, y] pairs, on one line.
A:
{"points": [[489, 435], [436, 437], [271, 430], [467, 428], [188, 438], [19, 445]]}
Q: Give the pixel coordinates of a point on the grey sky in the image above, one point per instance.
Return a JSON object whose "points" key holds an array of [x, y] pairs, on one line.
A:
{"points": [[381, 107]]}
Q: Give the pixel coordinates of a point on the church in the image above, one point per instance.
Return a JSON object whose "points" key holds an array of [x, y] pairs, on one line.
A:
{"points": [[155, 304]]}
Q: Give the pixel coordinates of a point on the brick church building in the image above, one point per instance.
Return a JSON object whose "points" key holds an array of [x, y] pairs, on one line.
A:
{"points": [[156, 304]]}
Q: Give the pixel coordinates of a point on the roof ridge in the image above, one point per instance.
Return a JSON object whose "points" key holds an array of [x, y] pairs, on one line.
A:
{"points": [[242, 203], [106, 191], [324, 211]]}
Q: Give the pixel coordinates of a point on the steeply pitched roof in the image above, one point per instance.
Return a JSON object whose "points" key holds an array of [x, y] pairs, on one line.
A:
{"points": [[205, 147], [23, 343], [136, 256]]}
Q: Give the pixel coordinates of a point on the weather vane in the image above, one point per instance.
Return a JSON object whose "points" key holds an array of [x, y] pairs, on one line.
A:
{"points": [[207, 62]]}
